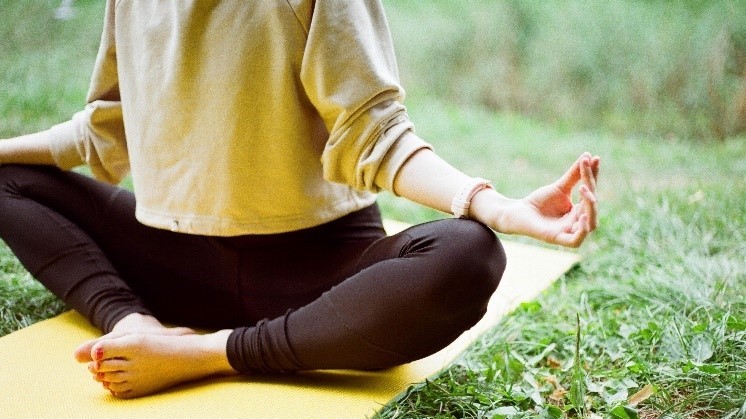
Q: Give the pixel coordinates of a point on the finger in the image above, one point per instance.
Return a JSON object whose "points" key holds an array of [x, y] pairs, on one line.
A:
{"points": [[572, 176], [586, 174], [580, 223], [574, 238], [581, 232], [595, 164], [590, 205], [573, 233]]}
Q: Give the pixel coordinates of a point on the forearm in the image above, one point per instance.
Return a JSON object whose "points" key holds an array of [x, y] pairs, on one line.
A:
{"points": [[547, 214], [27, 149], [429, 180]]}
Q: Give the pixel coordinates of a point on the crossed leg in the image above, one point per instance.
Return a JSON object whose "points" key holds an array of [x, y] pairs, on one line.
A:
{"points": [[79, 237], [389, 301], [385, 314]]}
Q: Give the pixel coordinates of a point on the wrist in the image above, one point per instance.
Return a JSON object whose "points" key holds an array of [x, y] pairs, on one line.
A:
{"points": [[461, 202], [489, 207]]}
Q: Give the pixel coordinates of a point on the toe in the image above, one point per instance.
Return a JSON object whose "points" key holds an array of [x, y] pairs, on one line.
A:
{"points": [[109, 365], [114, 348], [86, 352], [83, 352], [120, 390], [117, 377]]}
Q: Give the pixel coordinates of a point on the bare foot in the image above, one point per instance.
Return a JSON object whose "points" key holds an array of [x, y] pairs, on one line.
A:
{"points": [[142, 323], [135, 365], [134, 323]]}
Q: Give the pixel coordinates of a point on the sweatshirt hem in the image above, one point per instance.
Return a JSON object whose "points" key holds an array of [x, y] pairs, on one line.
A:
{"points": [[222, 227]]}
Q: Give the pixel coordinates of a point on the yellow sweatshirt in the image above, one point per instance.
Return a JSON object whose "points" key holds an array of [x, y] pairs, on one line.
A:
{"points": [[241, 116]]}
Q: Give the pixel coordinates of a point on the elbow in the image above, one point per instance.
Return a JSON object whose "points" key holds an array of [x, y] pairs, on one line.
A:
{"points": [[374, 163]]}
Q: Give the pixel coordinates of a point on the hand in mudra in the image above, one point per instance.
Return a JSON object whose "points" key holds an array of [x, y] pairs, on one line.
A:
{"points": [[549, 214]]}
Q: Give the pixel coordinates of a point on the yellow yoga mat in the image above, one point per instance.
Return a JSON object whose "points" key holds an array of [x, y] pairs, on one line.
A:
{"points": [[40, 379]]}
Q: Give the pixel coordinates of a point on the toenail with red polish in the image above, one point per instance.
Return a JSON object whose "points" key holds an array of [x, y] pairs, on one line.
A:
{"points": [[105, 384], [100, 376], [100, 353]]}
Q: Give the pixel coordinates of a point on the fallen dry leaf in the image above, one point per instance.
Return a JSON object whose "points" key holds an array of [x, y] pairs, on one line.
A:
{"points": [[557, 395], [550, 379], [553, 363], [641, 395]]}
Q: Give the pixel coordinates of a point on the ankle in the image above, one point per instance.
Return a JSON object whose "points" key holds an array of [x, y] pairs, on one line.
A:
{"points": [[215, 351]]}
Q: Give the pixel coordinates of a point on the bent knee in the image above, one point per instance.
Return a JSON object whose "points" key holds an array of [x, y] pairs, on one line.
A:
{"points": [[472, 262], [478, 256], [468, 264], [14, 175]]}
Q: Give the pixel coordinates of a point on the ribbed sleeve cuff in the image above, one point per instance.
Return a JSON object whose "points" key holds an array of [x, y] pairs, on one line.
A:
{"points": [[63, 144], [263, 348]]}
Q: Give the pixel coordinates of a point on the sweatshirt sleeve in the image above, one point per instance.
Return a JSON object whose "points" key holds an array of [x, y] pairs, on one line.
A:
{"points": [[349, 73], [95, 135]]}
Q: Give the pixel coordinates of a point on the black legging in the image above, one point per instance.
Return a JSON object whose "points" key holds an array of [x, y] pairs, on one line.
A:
{"points": [[340, 295]]}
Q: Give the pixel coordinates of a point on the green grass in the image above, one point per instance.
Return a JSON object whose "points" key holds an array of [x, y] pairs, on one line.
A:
{"points": [[657, 300], [658, 295], [46, 65]]}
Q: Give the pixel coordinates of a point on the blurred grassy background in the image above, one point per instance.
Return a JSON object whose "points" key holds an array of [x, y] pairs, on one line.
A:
{"points": [[663, 68], [45, 63], [674, 69]]}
